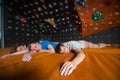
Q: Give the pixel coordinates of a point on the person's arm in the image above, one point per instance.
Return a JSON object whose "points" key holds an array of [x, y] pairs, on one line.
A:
{"points": [[68, 67], [20, 52], [50, 49], [14, 53]]}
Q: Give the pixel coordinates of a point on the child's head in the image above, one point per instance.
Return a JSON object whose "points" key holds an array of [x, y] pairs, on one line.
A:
{"points": [[60, 48], [34, 46], [21, 47]]}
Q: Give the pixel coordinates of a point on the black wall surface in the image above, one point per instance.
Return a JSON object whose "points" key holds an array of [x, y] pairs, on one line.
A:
{"points": [[26, 19], [111, 35]]}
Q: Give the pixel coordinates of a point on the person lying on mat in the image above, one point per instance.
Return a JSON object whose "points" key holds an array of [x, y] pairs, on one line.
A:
{"points": [[75, 46], [41, 46], [18, 50]]}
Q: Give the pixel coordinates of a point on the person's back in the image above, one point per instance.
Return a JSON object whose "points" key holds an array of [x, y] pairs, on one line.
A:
{"points": [[72, 45], [45, 43]]}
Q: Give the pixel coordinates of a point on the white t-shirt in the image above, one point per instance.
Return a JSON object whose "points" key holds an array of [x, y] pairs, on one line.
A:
{"points": [[73, 45]]}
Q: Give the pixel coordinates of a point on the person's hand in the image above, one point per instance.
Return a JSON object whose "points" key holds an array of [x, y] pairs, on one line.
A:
{"points": [[5, 56], [26, 57], [67, 68]]}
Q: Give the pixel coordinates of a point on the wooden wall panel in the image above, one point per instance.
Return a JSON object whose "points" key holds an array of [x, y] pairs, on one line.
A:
{"points": [[110, 9]]}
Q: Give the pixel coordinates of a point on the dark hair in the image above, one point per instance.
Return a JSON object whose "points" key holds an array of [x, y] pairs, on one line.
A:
{"points": [[58, 48]]}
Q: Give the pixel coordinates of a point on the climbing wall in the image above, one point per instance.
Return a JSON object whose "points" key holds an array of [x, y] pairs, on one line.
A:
{"points": [[40, 19], [98, 15], [60, 20]]}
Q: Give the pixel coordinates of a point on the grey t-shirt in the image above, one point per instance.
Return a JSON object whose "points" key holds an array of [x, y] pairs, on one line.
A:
{"points": [[73, 45]]}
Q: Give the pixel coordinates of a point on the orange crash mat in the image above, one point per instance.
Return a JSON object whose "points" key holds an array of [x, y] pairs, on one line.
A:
{"points": [[99, 64]]}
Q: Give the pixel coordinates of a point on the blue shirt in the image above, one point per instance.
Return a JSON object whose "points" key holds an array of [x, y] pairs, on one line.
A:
{"points": [[44, 44]]}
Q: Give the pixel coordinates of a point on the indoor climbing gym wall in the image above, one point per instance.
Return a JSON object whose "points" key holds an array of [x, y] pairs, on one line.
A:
{"points": [[40, 19], [98, 15], [61, 20]]}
